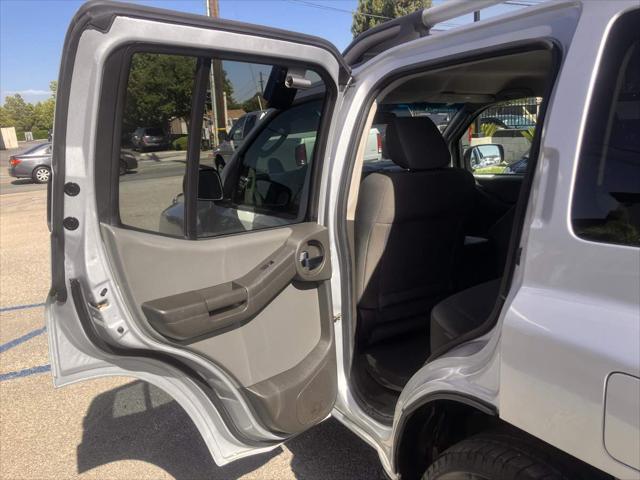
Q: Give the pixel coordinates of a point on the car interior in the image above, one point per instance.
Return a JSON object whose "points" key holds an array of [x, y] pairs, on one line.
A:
{"points": [[430, 239]]}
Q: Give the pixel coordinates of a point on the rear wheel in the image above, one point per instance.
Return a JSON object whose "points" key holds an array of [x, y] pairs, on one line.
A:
{"points": [[497, 455], [41, 174], [123, 167]]}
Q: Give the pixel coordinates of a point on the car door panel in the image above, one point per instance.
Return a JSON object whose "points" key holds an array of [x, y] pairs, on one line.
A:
{"points": [[253, 348], [261, 349]]}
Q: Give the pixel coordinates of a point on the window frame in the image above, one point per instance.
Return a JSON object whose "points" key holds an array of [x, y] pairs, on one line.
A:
{"points": [[110, 115], [456, 140]]}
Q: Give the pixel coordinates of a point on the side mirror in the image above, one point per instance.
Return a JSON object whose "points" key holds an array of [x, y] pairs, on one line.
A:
{"points": [[209, 185], [485, 155]]}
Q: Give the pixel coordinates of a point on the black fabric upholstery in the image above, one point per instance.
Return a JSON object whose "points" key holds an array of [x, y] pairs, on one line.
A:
{"points": [[415, 143], [462, 312], [500, 236], [408, 233], [392, 364]]}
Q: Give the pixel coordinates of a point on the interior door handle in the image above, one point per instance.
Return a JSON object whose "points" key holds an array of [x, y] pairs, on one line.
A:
{"points": [[308, 262]]}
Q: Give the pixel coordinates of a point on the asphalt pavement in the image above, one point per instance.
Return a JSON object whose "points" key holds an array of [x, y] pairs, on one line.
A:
{"points": [[114, 428]]}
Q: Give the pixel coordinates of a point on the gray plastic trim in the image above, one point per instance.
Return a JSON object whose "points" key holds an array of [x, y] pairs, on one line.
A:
{"points": [[195, 314]]}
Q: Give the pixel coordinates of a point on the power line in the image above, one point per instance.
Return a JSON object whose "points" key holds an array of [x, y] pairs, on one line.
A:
{"points": [[336, 9], [307, 3]]}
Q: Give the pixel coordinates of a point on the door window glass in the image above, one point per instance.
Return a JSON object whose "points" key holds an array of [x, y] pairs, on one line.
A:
{"points": [[155, 131], [606, 202], [498, 141], [266, 183], [236, 135], [249, 124]]}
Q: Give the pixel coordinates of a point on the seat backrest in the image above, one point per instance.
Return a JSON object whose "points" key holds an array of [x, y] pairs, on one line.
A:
{"points": [[408, 231]]}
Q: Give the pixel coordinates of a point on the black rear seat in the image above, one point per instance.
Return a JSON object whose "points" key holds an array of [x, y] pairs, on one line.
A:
{"points": [[462, 312]]}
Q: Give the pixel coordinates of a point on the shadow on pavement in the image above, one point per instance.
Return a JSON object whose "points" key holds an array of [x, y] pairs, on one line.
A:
{"points": [[23, 181], [140, 422]]}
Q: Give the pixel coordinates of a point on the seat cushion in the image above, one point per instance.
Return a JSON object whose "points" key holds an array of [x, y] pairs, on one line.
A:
{"points": [[462, 312]]}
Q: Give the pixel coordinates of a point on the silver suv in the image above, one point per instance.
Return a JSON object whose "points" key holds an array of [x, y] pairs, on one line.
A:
{"points": [[466, 321]]}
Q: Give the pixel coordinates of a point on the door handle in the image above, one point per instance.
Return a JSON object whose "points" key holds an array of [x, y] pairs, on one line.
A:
{"points": [[309, 262]]}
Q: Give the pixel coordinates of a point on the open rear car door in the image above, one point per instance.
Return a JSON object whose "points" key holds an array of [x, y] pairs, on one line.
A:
{"points": [[222, 299]]}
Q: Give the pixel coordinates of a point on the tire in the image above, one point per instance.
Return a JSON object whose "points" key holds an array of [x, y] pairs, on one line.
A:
{"points": [[41, 174], [498, 456], [123, 168]]}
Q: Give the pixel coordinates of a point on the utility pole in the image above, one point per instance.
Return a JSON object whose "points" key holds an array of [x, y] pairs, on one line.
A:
{"points": [[214, 113], [217, 88], [261, 93]]}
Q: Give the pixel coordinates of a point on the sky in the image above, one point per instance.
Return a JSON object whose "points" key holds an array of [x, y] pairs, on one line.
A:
{"points": [[32, 31]]}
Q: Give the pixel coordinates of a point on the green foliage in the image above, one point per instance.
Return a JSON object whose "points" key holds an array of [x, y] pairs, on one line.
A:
{"points": [[6, 120], [43, 114], [180, 143], [26, 117], [253, 104], [40, 134], [374, 12], [20, 112], [529, 133], [488, 129], [490, 169], [616, 229], [159, 89]]}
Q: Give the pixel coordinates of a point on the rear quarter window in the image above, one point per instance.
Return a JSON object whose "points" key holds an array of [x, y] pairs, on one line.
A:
{"points": [[606, 202]]}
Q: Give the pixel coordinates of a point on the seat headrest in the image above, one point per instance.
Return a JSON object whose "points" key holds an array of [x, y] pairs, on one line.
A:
{"points": [[416, 143]]}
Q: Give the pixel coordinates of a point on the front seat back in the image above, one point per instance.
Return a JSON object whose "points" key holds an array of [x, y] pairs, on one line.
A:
{"points": [[408, 232]]}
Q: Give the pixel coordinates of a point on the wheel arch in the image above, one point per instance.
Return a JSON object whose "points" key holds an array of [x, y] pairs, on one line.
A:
{"points": [[435, 423]]}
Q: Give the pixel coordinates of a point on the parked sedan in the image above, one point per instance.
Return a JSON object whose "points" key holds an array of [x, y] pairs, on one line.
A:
{"points": [[35, 163]]}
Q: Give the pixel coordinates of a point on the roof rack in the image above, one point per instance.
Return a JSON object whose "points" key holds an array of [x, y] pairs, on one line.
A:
{"points": [[452, 9], [404, 29]]}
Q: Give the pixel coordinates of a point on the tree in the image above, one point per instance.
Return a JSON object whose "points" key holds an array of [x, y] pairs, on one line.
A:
{"points": [[19, 111], [43, 114], [6, 120], [374, 12], [254, 104], [159, 89]]}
